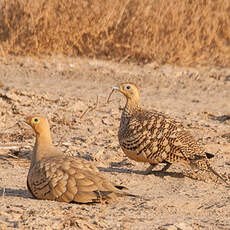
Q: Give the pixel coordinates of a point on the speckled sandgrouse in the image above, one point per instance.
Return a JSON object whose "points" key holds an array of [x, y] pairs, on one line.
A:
{"points": [[53, 176], [151, 136]]}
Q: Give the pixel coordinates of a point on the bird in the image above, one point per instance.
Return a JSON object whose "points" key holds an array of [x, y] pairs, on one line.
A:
{"points": [[54, 176], [154, 137]]}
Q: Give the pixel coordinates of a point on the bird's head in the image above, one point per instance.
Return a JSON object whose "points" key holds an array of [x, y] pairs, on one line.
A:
{"points": [[38, 123], [129, 90]]}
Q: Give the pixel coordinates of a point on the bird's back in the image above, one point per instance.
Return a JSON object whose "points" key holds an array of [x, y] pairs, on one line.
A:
{"points": [[150, 136], [69, 179]]}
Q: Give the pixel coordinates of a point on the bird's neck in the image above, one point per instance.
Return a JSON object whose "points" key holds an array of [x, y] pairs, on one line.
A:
{"points": [[132, 105], [43, 148]]}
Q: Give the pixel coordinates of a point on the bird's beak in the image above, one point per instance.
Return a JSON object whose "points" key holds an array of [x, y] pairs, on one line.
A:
{"points": [[24, 120], [115, 88]]}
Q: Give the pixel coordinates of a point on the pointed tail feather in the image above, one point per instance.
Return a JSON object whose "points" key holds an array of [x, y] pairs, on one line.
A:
{"points": [[204, 167], [217, 174], [209, 155], [120, 187]]}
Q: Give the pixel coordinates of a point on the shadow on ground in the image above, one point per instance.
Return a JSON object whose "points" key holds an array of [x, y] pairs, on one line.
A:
{"points": [[140, 172], [9, 192]]}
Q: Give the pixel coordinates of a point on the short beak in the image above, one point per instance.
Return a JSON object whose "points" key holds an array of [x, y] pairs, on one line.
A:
{"points": [[115, 88], [22, 119]]}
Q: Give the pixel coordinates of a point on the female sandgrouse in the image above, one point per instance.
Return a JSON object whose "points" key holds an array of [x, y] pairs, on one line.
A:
{"points": [[150, 136], [53, 176]]}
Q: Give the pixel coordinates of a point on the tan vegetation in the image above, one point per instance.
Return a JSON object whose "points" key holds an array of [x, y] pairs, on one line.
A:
{"points": [[183, 32]]}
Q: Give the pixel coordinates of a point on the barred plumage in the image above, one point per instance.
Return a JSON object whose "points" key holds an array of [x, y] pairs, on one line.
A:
{"points": [[151, 136], [53, 176]]}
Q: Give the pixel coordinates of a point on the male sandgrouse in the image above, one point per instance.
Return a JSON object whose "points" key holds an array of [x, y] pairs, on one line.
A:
{"points": [[53, 176], [151, 136]]}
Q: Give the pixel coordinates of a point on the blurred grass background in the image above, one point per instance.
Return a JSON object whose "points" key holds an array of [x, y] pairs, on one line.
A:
{"points": [[185, 32]]}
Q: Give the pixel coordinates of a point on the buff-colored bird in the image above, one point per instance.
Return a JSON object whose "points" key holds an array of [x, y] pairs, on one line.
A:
{"points": [[150, 136], [53, 176]]}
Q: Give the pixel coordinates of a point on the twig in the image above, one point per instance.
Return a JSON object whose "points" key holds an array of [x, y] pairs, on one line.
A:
{"points": [[109, 96], [61, 139], [125, 58], [13, 146], [89, 109], [13, 156]]}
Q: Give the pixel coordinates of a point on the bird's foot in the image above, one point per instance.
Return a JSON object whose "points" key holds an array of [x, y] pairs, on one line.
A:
{"points": [[161, 172], [166, 167], [149, 170]]}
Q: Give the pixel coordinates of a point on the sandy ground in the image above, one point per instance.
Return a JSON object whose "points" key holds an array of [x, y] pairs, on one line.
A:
{"points": [[62, 89]]}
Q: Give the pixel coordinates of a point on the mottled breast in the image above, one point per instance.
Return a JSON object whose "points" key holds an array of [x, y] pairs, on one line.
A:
{"points": [[149, 136]]}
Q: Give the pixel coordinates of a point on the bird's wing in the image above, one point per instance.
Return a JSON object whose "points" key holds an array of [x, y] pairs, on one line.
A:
{"points": [[69, 180]]}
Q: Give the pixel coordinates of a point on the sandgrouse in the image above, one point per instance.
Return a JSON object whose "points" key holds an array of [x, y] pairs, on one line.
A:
{"points": [[151, 136], [53, 176]]}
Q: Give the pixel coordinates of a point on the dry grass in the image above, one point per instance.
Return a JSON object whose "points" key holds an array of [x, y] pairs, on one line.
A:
{"points": [[185, 32]]}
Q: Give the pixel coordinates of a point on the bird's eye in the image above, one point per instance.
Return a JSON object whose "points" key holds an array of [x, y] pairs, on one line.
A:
{"points": [[127, 87], [36, 120]]}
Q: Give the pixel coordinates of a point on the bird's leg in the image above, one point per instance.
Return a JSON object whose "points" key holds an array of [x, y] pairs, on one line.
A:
{"points": [[149, 169], [166, 167]]}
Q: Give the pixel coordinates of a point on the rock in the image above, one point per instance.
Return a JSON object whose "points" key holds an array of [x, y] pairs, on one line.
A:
{"points": [[168, 227], [183, 226], [178, 226]]}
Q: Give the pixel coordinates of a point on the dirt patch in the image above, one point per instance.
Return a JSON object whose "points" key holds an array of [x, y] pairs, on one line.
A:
{"points": [[62, 88]]}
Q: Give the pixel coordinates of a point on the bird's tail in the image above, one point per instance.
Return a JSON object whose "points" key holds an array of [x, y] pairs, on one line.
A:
{"points": [[124, 193], [203, 171]]}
